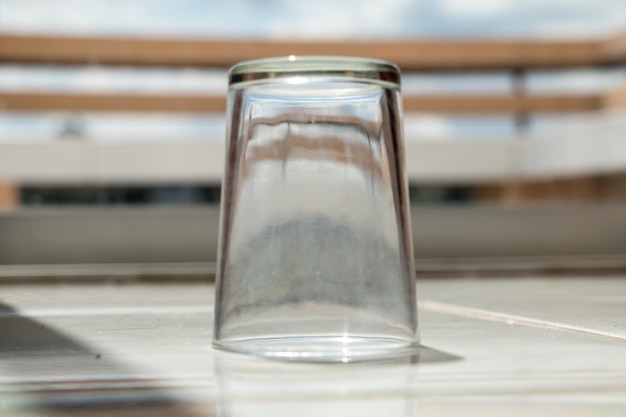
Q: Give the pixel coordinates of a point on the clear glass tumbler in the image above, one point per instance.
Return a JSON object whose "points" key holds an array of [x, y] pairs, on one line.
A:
{"points": [[315, 254]]}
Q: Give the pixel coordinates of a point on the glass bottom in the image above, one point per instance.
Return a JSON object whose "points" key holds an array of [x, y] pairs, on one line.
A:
{"points": [[322, 348]]}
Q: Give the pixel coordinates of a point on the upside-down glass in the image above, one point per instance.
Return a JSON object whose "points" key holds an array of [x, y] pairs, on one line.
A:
{"points": [[315, 254]]}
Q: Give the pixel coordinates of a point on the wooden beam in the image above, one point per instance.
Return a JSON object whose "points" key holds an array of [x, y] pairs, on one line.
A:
{"points": [[501, 104], [616, 98], [410, 55], [550, 190], [614, 49], [74, 102], [9, 195], [177, 103]]}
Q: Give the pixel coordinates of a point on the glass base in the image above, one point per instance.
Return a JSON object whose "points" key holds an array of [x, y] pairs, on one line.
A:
{"points": [[323, 348]]}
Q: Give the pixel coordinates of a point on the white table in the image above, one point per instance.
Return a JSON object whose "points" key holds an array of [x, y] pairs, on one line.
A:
{"points": [[502, 346]]}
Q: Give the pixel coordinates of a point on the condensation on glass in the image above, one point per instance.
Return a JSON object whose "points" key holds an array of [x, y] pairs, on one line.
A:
{"points": [[315, 254]]}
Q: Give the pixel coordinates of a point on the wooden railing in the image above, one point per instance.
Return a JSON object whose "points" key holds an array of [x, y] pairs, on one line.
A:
{"points": [[475, 104], [442, 56], [513, 56]]}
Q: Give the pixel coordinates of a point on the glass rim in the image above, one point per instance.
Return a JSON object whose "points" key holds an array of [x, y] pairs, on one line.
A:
{"points": [[334, 66]]}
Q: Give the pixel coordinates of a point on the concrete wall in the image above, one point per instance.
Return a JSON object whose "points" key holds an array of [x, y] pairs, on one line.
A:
{"points": [[67, 236]]}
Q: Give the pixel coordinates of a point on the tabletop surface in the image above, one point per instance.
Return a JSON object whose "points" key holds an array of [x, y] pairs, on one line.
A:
{"points": [[491, 346]]}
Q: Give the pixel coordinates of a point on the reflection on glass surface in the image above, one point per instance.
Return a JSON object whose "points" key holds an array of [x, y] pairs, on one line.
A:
{"points": [[251, 387]]}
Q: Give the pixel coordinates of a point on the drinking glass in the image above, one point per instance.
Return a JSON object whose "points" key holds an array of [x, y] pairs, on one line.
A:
{"points": [[315, 254]]}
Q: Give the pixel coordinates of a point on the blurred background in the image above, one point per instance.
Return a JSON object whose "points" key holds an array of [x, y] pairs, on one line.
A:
{"points": [[112, 124]]}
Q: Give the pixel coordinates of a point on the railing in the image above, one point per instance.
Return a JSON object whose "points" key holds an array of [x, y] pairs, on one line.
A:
{"points": [[515, 57], [482, 104], [480, 163]]}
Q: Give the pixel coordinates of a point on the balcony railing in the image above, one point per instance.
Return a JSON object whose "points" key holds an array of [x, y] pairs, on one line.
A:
{"points": [[489, 163]]}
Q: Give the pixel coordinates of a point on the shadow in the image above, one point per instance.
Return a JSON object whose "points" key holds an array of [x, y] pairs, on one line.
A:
{"points": [[431, 355], [25, 337], [46, 372]]}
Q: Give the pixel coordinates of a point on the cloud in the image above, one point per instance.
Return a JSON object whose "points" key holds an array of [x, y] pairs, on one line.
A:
{"points": [[143, 17], [475, 8], [338, 19], [555, 18], [323, 19]]}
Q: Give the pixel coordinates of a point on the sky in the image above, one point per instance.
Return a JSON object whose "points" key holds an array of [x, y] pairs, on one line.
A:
{"points": [[316, 19], [275, 19]]}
